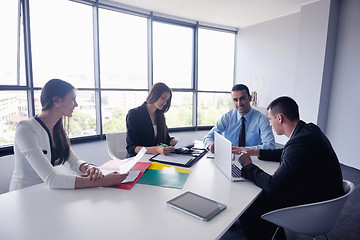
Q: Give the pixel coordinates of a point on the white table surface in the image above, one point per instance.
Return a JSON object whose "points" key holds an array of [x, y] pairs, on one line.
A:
{"points": [[40, 213]]}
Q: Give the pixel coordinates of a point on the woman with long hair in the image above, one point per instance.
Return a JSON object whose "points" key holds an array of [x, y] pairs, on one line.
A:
{"points": [[146, 124], [41, 146]]}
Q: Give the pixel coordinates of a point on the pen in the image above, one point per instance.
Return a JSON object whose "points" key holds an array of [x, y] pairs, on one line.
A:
{"points": [[166, 147]]}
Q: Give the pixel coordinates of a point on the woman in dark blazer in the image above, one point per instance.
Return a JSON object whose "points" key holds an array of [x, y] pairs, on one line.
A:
{"points": [[146, 125]]}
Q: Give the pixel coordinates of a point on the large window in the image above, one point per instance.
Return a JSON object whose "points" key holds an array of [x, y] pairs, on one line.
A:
{"points": [[180, 112], [123, 50], [211, 106], [173, 65], [172, 55], [10, 41], [62, 42], [216, 60], [215, 66], [13, 109], [115, 105], [112, 56], [13, 104], [62, 47]]}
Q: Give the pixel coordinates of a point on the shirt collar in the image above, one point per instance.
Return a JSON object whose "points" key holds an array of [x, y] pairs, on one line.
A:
{"points": [[298, 125], [292, 133], [246, 116]]}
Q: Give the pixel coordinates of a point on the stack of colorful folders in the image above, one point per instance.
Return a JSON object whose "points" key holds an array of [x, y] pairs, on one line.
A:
{"points": [[163, 175]]}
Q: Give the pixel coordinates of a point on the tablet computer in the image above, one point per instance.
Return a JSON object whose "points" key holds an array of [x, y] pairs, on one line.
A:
{"points": [[196, 205]]}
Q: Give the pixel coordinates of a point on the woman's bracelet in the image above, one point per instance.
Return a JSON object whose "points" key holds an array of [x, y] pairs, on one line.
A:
{"points": [[88, 165]]}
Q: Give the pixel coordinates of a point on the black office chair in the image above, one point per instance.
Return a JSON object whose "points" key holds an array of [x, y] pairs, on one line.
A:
{"points": [[312, 219]]}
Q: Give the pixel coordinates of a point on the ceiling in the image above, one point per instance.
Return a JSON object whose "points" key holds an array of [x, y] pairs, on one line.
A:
{"points": [[231, 13]]}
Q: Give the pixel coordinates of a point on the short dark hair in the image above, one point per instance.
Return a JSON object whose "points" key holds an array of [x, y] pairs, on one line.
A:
{"points": [[240, 87], [285, 105]]}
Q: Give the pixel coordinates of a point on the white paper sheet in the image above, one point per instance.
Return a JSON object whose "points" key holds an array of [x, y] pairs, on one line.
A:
{"points": [[174, 158], [184, 142], [124, 168], [130, 178]]}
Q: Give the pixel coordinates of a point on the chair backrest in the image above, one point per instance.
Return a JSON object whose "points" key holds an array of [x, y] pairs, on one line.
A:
{"points": [[312, 219], [116, 144], [6, 172]]}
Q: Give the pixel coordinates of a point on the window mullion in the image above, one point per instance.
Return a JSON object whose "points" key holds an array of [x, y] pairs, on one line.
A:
{"points": [[195, 76], [28, 58], [99, 129], [150, 51]]}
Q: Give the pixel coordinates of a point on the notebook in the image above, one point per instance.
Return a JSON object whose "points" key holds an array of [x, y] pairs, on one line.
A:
{"points": [[225, 159]]}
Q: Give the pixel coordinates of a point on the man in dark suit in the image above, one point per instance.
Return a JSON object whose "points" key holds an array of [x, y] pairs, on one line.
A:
{"points": [[309, 170]]}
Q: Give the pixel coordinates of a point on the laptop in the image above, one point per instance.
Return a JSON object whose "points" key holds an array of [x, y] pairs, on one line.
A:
{"points": [[225, 159]]}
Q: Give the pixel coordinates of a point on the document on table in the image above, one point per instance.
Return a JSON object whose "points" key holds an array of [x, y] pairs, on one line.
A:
{"points": [[124, 168], [184, 142], [133, 174], [174, 158]]}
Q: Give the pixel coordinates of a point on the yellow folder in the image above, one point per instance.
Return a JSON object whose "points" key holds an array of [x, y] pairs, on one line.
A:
{"points": [[168, 168]]}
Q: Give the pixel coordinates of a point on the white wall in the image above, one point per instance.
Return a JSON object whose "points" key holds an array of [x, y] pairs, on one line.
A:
{"points": [[266, 57], [310, 58], [295, 56], [344, 110], [285, 56]]}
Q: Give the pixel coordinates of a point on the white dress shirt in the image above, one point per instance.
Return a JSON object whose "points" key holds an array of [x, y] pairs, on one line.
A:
{"points": [[258, 132]]}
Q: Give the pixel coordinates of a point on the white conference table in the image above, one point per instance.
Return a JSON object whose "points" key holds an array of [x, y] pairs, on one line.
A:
{"points": [[38, 212]]}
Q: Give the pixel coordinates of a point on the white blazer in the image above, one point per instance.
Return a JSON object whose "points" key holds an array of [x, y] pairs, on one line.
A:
{"points": [[33, 159]]}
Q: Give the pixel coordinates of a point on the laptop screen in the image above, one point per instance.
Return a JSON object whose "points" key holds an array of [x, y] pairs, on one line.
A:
{"points": [[223, 154]]}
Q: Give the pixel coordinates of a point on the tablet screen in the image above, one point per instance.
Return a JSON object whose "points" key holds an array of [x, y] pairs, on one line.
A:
{"points": [[197, 206]]}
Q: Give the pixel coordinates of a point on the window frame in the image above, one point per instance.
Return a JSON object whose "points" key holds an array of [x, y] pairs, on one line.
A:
{"points": [[151, 17]]}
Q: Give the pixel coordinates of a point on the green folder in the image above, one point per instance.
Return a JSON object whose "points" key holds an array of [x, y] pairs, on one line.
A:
{"points": [[163, 178]]}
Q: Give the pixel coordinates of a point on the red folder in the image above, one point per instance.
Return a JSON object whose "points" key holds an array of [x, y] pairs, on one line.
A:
{"points": [[114, 165]]}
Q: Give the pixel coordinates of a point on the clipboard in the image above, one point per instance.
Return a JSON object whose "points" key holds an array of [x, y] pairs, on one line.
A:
{"points": [[181, 157]]}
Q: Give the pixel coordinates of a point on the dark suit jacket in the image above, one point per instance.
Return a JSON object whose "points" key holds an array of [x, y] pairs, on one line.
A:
{"points": [[309, 169], [140, 131]]}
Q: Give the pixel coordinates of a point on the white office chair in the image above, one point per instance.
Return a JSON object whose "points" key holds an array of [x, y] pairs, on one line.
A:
{"points": [[6, 172], [116, 144], [312, 219]]}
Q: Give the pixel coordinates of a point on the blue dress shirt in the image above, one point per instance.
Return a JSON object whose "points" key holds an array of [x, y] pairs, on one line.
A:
{"points": [[258, 132]]}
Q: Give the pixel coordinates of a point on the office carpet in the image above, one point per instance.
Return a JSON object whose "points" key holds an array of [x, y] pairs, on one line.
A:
{"points": [[348, 224]]}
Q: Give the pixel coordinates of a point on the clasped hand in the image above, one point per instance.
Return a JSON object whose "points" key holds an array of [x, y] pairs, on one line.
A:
{"points": [[93, 173]]}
